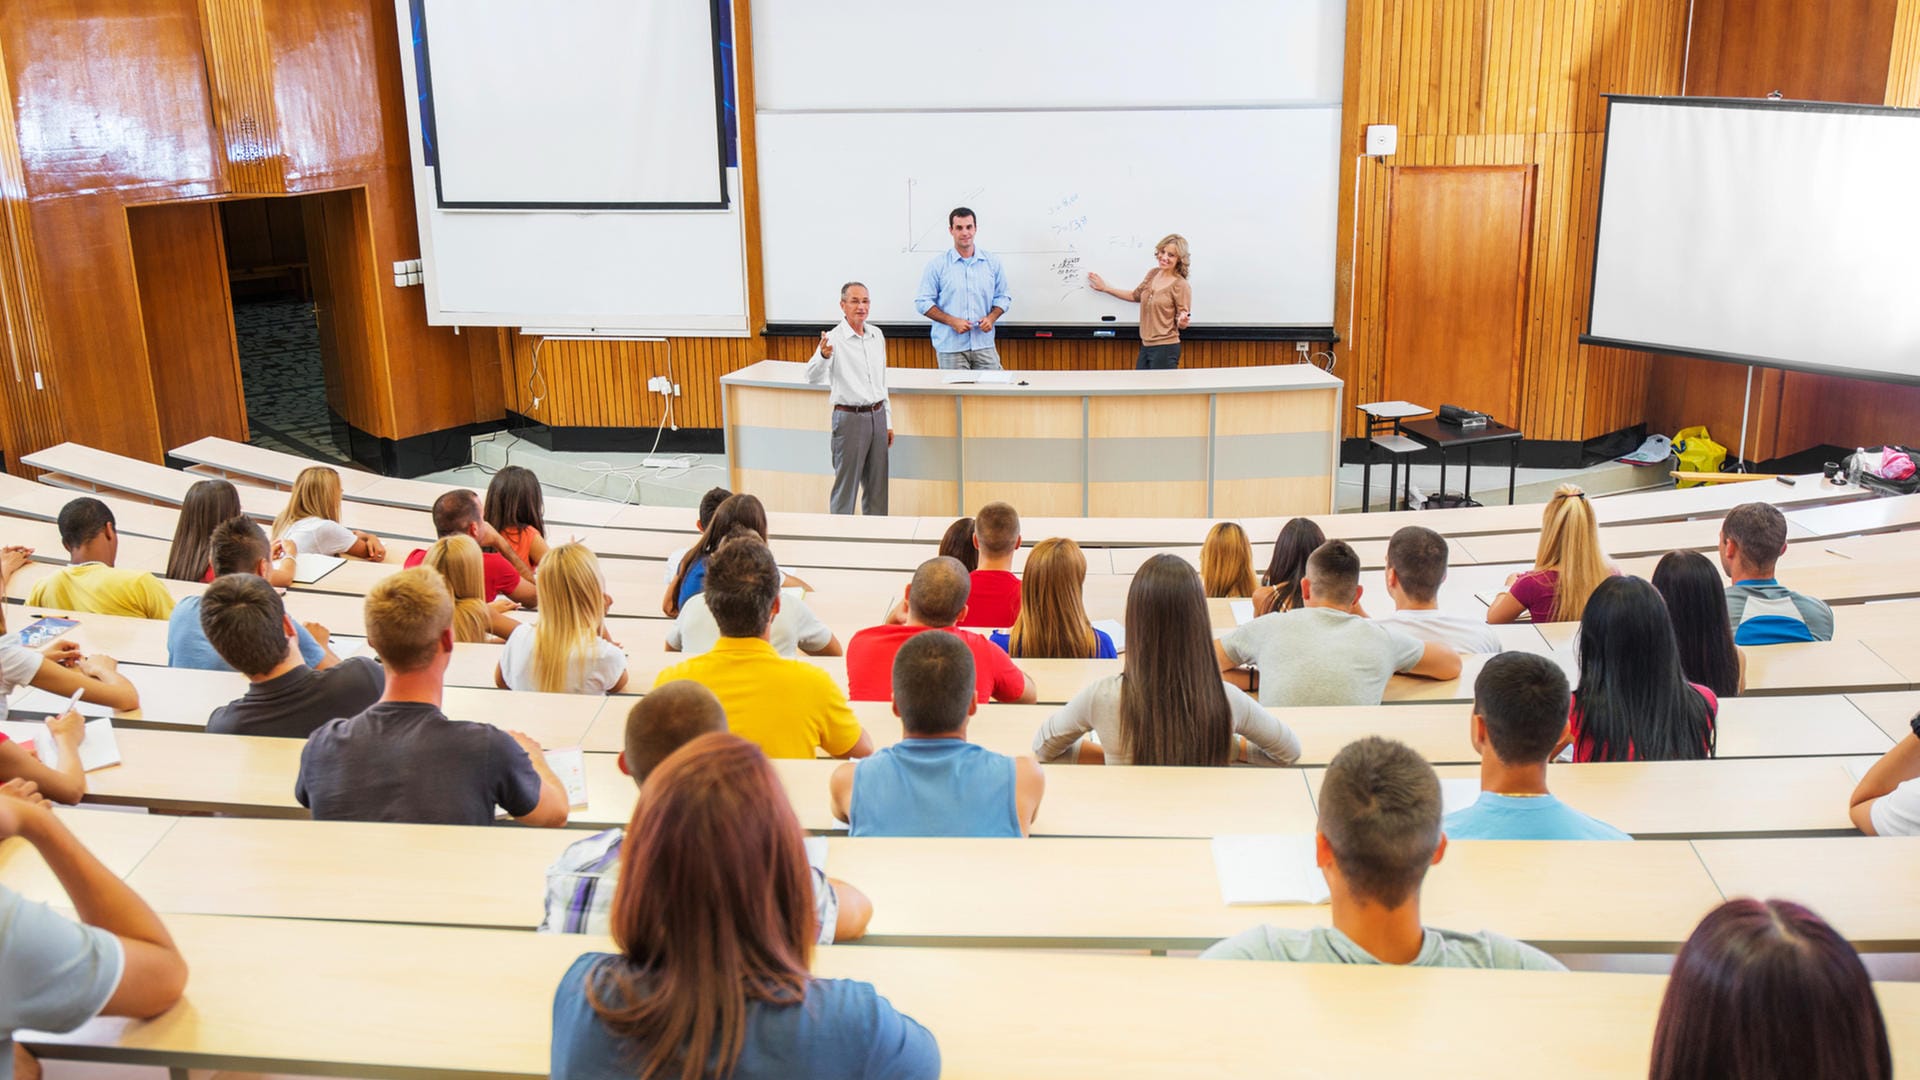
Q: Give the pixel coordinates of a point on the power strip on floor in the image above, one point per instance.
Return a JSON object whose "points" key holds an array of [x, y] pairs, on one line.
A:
{"points": [[667, 463]]}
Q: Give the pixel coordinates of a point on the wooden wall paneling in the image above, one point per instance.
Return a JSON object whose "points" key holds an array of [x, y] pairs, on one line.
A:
{"points": [[186, 309], [346, 303], [337, 92], [1817, 52], [249, 234], [1903, 67], [111, 94], [240, 74], [1456, 284], [29, 413]]}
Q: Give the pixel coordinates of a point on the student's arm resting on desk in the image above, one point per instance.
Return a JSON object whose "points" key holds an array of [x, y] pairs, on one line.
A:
{"points": [[1436, 661], [550, 812], [1067, 727], [840, 792], [1232, 669], [1029, 785], [1268, 740], [63, 670], [154, 974], [1505, 609], [1896, 767], [68, 783]]}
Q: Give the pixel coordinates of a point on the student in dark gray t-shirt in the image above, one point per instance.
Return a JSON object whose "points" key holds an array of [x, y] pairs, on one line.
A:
{"points": [[401, 759], [246, 624]]}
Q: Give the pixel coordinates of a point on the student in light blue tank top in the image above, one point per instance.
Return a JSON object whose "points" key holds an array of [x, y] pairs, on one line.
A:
{"points": [[933, 782], [1520, 703]]}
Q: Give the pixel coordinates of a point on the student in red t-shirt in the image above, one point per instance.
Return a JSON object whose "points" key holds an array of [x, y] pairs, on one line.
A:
{"points": [[936, 600], [457, 513], [995, 599]]}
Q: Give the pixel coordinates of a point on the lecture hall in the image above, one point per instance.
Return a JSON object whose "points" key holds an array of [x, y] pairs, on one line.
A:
{"points": [[495, 496]]}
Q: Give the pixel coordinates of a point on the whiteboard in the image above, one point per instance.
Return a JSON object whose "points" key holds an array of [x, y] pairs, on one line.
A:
{"points": [[1778, 233], [581, 103], [653, 272], [987, 54], [864, 196]]}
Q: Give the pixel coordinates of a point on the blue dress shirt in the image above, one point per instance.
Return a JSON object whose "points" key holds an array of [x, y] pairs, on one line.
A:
{"points": [[965, 289]]}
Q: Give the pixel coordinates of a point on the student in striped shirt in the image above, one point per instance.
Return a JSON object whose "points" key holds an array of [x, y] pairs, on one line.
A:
{"points": [[581, 883], [1763, 611]]}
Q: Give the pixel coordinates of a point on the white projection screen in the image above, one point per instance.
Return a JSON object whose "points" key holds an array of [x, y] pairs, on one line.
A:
{"points": [[1779, 233], [575, 104]]}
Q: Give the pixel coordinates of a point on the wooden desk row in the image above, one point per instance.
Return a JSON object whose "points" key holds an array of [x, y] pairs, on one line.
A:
{"points": [[445, 1001], [255, 777], [179, 699], [1639, 897]]}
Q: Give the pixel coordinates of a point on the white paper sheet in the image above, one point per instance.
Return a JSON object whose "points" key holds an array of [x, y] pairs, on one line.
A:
{"points": [[98, 747], [1263, 868], [1242, 611], [1458, 793], [1115, 630], [959, 375], [344, 647], [309, 568], [30, 699], [570, 768]]}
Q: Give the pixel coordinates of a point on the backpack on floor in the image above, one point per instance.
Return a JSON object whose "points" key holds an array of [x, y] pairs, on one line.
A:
{"points": [[1889, 469]]}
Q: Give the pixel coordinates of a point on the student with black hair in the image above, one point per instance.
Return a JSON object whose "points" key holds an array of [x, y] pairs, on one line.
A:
{"points": [[1634, 702], [1378, 834], [1697, 606], [1519, 722], [933, 782], [90, 582]]}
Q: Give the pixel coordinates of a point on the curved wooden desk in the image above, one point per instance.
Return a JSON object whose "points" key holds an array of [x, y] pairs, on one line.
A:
{"points": [[1209, 441]]}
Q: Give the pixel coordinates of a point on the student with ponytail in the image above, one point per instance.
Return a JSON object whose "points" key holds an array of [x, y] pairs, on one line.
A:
{"points": [[1566, 568]]}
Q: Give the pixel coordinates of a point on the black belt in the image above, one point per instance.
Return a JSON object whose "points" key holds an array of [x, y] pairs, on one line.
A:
{"points": [[861, 408]]}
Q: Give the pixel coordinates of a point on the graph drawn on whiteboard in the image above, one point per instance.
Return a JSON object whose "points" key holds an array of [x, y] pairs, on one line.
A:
{"points": [[1059, 236]]}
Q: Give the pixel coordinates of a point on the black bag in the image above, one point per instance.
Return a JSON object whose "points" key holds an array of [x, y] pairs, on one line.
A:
{"points": [[1448, 500], [1857, 472]]}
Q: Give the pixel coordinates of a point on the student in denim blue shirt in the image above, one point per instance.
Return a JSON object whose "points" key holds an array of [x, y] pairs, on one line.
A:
{"points": [[239, 546], [964, 291], [714, 921]]}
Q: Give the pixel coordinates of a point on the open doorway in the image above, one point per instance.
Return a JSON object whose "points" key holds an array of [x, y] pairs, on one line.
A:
{"points": [[282, 357]]}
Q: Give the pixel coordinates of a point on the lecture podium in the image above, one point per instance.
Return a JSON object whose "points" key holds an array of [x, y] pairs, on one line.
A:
{"points": [[1193, 442]]}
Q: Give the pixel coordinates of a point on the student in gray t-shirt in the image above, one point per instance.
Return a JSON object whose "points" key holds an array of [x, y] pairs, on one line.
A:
{"points": [[1323, 653], [1379, 832], [56, 974]]}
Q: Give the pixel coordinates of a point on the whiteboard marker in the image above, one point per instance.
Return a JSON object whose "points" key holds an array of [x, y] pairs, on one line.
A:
{"points": [[1103, 333]]}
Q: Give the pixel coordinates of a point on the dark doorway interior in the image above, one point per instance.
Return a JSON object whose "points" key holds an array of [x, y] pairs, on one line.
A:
{"points": [[281, 362]]}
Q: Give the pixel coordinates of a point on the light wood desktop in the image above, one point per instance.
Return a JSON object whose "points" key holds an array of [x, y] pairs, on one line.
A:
{"points": [[1868, 887], [118, 840], [1688, 800], [1892, 713], [441, 1001]]}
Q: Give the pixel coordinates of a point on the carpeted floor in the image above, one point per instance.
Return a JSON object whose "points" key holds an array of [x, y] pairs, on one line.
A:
{"points": [[280, 370]]}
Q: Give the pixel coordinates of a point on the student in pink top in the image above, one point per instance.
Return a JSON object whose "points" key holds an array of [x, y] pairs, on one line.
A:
{"points": [[1634, 703], [1566, 568]]}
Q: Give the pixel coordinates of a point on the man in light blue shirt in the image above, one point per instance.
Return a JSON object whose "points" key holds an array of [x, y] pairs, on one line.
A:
{"points": [[964, 291], [1519, 722]]}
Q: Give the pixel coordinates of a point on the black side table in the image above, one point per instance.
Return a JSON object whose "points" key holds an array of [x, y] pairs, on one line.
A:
{"points": [[1444, 437]]}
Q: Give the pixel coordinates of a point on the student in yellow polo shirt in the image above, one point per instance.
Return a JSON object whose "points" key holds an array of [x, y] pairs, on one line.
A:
{"points": [[789, 708], [90, 581]]}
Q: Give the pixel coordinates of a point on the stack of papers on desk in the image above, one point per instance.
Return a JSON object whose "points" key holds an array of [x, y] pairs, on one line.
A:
{"points": [[98, 748], [955, 376], [308, 569], [1265, 868]]}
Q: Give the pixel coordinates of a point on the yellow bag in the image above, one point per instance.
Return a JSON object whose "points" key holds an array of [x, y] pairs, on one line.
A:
{"points": [[1697, 453]]}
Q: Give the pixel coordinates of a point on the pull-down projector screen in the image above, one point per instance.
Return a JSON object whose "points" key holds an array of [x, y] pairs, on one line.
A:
{"points": [[1778, 233]]}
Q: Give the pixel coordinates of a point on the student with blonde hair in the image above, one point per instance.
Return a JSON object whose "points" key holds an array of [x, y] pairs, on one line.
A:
{"points": [[311, 521], [1053, 623], [1226, 562], [456, 559], [567, 651], [1566, 568]]}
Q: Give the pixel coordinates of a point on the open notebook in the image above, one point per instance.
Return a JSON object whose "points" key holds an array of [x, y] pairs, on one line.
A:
{"points": [[98, 748]]}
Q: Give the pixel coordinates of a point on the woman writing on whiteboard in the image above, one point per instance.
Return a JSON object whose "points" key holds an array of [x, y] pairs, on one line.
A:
{"points": [[1166, 303]]}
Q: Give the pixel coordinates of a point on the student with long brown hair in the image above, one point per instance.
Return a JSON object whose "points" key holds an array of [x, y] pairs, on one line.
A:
{"points": [[1281, 590], [1168, 706], [714, 919], [1053, 623], [517, 509], [957, 543], [457, 560], [1226, 562], [208, 504], [311, 520], [1566, 568]]}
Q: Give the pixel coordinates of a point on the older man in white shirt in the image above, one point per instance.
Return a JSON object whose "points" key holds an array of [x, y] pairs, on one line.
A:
{"points": [[852, 359]]}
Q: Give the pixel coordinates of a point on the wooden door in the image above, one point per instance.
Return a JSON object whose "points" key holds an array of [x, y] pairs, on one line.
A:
{"points": [[180, 268], [1458, 240]]}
